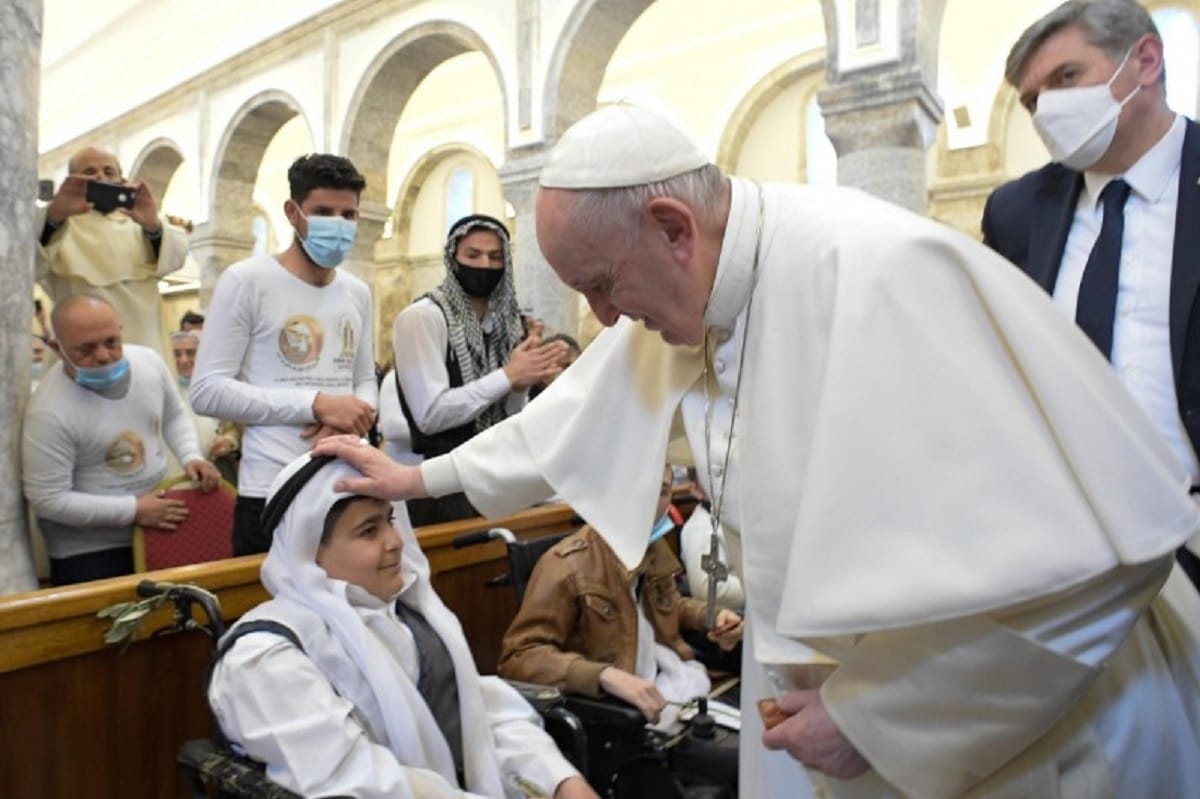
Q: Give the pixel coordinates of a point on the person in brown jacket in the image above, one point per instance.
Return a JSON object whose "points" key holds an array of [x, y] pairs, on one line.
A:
{"points": [[578, 626]]}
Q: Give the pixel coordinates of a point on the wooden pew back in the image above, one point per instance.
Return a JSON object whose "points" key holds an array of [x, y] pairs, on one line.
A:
{"points": [[82, 718]]}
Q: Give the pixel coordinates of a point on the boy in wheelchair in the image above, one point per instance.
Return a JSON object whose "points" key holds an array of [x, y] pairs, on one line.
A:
{"points": [[355, 679], [589, 626]]}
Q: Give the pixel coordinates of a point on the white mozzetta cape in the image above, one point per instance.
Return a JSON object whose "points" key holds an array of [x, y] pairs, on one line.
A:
{"points": [[918, 423], [922, 440]]}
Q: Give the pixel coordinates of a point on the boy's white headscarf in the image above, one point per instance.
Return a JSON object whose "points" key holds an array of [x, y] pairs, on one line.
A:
{"points": [[394, 704]]}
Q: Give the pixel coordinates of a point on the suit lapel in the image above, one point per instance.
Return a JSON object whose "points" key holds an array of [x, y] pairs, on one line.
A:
{"points": [[1053, 213], [1185, 264]]}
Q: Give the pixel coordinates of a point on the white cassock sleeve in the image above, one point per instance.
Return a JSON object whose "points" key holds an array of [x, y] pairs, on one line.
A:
{"points": [[936, 708], [522, 746], [273, 701], [597, 438]]}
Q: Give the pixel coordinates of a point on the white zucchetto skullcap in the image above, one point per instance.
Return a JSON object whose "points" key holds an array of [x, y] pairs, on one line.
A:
{"points": [[618, 146]]}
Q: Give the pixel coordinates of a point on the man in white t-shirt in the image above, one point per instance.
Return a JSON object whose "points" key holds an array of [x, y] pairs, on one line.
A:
{"points": [[288, 344], [95, 444]]}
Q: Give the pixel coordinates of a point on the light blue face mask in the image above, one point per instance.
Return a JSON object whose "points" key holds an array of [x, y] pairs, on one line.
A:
{"points": [[663, 526], [110, 380], [184, 382], [330, 239]]}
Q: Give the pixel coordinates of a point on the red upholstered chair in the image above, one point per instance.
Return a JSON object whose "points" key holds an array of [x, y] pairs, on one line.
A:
{"points": [[202, 537]]}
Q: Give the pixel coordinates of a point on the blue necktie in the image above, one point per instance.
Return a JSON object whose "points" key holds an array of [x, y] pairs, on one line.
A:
{"points": [[1096, 308]]}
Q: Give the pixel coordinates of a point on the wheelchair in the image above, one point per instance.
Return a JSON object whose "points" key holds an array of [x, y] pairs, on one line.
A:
{"points": [[616, 752], [210, 768]]}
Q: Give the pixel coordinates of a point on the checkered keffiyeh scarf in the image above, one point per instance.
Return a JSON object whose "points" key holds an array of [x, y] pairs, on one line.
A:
{"points": [[479, 354]]}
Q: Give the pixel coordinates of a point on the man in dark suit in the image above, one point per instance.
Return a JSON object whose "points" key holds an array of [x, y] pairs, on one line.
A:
{"points": [[1111, 228]]}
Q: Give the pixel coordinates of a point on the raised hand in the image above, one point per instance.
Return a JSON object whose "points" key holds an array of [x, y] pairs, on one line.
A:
{"points": [[70, 200], [382, 477], [533, 362], [145, 208]]}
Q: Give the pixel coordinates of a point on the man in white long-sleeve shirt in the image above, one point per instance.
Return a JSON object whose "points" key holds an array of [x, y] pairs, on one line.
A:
{"points": [[95, 440], [464, 359], [951, 520], [288, 343]]}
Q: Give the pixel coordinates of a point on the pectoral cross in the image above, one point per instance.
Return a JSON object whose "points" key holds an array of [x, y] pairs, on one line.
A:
{"points": [[717, 571]]}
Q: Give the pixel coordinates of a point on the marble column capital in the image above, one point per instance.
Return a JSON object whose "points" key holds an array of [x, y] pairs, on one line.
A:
{"points": [[519, 175], [894, 108], [205, 235], [538, 288], [881, 123]]}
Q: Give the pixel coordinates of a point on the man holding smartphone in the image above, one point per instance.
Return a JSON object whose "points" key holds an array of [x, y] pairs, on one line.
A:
{"points": [[103, 235]]}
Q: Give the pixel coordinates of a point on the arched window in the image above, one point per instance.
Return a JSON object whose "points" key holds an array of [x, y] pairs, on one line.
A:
{"points": [[262, 233], [1181, 51], [821, 158], [460, 195]]}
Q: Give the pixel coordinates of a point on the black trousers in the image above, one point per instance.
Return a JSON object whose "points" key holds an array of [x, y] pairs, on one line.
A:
{"points": [[248, 535], [91, 566]]}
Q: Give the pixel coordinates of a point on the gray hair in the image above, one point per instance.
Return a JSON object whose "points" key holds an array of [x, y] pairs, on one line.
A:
{"points": [[1112, 25], [620, 209]]}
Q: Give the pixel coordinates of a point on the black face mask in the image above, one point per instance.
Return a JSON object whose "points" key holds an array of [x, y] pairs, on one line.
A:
{"points": [[477, 281]]}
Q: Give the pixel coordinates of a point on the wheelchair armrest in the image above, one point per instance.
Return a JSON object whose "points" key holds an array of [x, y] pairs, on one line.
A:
{"points": [[207, 764], [608, 711], [542, 697]]}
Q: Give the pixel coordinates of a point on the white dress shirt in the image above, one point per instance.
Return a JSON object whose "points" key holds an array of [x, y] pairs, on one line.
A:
{"points": [[419, 340], [1141, 351]]}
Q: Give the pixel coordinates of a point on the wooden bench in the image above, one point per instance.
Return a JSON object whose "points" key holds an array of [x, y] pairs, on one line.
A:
{"points": [[80, 718]]}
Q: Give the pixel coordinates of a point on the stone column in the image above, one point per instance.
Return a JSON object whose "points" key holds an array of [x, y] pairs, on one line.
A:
{"points": [[882, 126], [372, 217], [538, 288], [881, 106], [20, 50], [393, 292], [214, 251]]}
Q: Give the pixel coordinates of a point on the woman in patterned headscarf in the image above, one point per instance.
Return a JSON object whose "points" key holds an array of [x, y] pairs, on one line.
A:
{"points": [[464, 360]]}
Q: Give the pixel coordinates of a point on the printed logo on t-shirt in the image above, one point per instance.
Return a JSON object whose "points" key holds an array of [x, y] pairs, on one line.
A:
{"points": [[126, 455], [300, 341], [347, 335]]}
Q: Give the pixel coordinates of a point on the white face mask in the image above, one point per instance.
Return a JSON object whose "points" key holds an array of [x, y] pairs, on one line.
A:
{"points": [[1078, 124]]}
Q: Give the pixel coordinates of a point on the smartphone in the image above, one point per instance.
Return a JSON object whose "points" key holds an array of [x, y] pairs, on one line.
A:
{"points": [[107, 197]]}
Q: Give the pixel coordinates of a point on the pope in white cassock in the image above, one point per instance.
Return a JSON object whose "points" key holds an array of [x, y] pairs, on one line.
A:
{"points": [[952, 523]]}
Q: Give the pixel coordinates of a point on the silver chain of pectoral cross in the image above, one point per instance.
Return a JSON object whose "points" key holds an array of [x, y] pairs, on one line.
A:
{"points": [[711, 562]]}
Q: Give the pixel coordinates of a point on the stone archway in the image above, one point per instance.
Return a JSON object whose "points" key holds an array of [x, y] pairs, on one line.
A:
{"points": [[227, 236], [374, 112], [386, 87], [156, 164], [400, 276], [579, 61], [880, 103], [800, 68], [238, 156]]}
